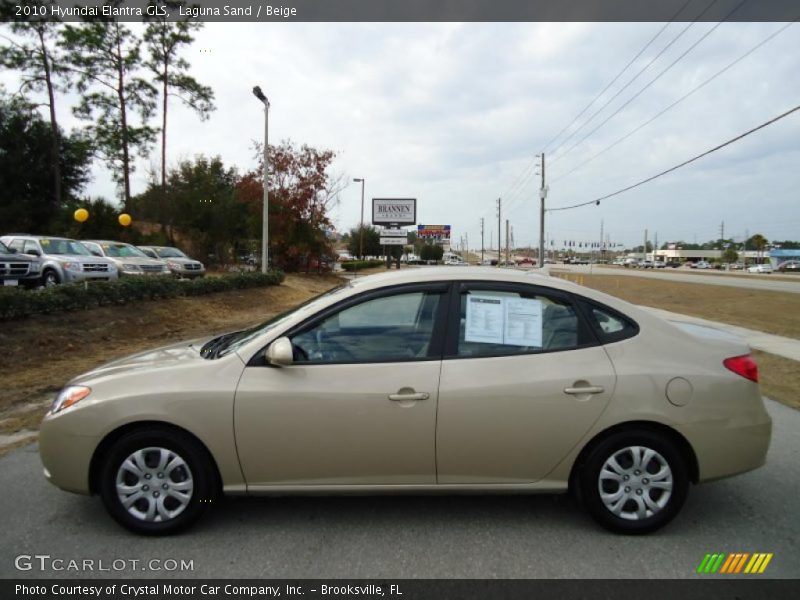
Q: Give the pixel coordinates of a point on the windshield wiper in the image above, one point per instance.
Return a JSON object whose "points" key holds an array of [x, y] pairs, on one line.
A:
{"points": [[212, 348]]}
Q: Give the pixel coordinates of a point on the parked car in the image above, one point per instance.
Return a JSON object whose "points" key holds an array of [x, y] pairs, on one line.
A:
{"points": [[659, 264], [673, 264], [129, 259], [789, 266], [646, 264], [702, 264], [431, 380], [18, 269], [763, 268], [736, 266], [180, 264], [631, 263], [455, 262], [527, 261], [62, 260]]}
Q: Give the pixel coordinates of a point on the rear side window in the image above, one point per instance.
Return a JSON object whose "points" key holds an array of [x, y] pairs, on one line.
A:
{"points": [[499, 322], [608, 324]]}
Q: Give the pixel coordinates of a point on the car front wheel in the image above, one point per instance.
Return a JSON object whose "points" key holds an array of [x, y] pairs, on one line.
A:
{"points": [[634, 482], [157, 481]]}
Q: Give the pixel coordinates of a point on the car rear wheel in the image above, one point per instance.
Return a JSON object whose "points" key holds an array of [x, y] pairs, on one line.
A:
{"points": [[157, 481], [634, 482]]}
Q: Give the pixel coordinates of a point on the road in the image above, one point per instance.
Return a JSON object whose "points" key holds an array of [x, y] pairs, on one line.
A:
{"points": [[754, 281], [426, 537]]}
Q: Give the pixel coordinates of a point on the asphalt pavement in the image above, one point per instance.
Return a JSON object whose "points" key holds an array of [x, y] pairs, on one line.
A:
{"points": [[412, 537]]}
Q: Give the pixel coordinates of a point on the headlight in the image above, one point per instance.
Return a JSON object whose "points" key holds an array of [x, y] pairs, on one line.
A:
{"points": [[72, 394], [72, 266], [35, 267], [174, 265], [130, 267], [165, 269]]}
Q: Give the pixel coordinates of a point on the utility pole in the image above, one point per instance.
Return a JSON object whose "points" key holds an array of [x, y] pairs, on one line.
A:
{"points": [[722, 233], [645, 244], [499, 234], [602, 244], [542, 196], [481, 240], [506, 242], [655, 248]]}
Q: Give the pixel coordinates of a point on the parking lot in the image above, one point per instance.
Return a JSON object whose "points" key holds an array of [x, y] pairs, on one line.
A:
{"points": [[417, 537]]}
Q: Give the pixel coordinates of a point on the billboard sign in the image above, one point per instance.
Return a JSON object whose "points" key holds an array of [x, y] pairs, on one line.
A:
{"points": [[433, 232], [394, 211]]}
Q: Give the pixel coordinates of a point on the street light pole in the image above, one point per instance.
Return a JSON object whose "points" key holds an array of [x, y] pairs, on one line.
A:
{"points": [[361, 228], [265, 208]]}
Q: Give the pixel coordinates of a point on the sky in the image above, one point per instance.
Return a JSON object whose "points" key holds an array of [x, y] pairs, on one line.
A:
{"points": [[454, 114]]}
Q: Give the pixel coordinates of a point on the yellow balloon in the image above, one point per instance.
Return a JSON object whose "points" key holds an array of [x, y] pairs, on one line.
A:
{"points": [[125, 219], [81, 215]]}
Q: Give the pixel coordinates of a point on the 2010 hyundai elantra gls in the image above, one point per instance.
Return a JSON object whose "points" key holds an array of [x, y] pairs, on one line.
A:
{"points": [[436, 380]]}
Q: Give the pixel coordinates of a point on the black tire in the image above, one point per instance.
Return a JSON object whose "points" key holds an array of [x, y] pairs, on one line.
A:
{"points": [[50, 278], [201, 473], [616, 445]]}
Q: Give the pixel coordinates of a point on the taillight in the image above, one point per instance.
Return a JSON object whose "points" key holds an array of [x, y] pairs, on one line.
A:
{"points": [[743, 365]]}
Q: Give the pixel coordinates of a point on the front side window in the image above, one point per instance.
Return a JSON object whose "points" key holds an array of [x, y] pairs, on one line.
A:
{"points": [[30, 247], [388, 328], [504, 322]]}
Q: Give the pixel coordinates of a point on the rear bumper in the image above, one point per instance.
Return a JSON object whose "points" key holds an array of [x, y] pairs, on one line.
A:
{"points": [[731, 447]]}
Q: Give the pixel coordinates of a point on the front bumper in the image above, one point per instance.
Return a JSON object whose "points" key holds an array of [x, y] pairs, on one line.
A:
{"points": [[72, 276], [66, 455]]}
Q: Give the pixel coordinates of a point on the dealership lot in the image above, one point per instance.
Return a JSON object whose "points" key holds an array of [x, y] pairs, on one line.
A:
{"points": [[466, 536]]}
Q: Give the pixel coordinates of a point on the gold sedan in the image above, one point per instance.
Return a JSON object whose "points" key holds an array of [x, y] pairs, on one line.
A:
{"points": [[422, 381]]}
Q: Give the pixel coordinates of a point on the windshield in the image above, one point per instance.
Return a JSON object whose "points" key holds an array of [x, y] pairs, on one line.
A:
{"points": [[62, 246], [4, 249], [122, 251], [225, 344], [170, 253]]}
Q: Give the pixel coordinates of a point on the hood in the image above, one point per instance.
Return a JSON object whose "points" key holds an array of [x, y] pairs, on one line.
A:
{"points": [[156, 359], [80, 258], [136, 260], [181, 260], [11, 257]]}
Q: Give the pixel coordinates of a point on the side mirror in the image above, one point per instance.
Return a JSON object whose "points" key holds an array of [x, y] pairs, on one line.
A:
{"points": [[34, 252], [280, 353]]}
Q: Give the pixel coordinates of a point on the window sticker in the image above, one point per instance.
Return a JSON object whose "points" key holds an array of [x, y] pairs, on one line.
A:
{"points": [[503, 320], [523, 322], [485, 319]]}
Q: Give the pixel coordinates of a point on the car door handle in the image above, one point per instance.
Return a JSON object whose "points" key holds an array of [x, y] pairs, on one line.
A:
{"points": [[589, 389], [411, 396]]}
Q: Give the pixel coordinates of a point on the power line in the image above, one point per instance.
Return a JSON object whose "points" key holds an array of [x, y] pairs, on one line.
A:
{"points": [[613, 81], [683, 164], [678, 101], [630, 81], [652, 81]]}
